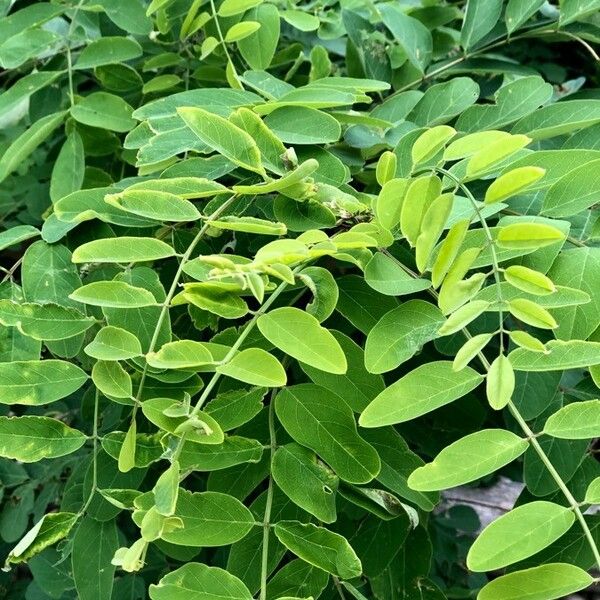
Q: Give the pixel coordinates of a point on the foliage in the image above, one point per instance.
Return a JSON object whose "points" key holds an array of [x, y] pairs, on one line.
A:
{"points": [[276, 275]]}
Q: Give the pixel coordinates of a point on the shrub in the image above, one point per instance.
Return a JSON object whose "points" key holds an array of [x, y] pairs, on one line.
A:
{"points": [[278, 275]]}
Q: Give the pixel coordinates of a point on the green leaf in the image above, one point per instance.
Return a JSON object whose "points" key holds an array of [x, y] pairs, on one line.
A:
{"points": [[16, 235], [152, 204], [400, 334], [104, 110], [113, 294], [108, 51], [528, 280], [195, 580], [236, 407], [574, 354], [301, 336], [182, 354], [574, 10], [480, 18], [574, 192], [209, 519], [29, 439], [249, 225], [303, 125], [411, 34], [22, 147], [576, 421], [519, 534], [256, 367], [34, 382], [259, 48], [306, 481], [495, 153], [434, 222], [430, 142], [319, 547], [547, 582], [531, 313], [94, 545], [592, 494], [468, 459], [224, 137], [114, 343], [122, 250], [518, 11], [44, 322], [318, 419], [69, 168], [426, 388], [558, 119], [357, 386]]}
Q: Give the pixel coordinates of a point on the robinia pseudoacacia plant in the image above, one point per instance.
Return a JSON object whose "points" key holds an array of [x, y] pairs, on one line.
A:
{"points": [[278, 275]]}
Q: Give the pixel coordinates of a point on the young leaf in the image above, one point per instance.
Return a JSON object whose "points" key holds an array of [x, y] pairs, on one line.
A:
{"points": [[528, 280], [301, 336], [528, 235], [500, 382], [429, 143], [512, 182], [434, 221], [470, 349], [519, 534], [531, 313], [166, 490], [182, 354], [126, 460], [160, 206], [426, 388], [472, 457]]}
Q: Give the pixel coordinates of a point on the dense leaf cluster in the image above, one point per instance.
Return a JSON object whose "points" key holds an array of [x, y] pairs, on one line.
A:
{"points": [[275, 275]]}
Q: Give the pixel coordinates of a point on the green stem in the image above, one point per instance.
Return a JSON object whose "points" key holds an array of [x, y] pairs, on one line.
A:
{"points": [[269, 502], [94, 457]]}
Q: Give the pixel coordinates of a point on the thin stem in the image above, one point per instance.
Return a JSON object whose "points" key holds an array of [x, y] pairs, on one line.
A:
{"points": [[175, 283], [222, 38], [94, 457], [269, 502], [490, 239]]}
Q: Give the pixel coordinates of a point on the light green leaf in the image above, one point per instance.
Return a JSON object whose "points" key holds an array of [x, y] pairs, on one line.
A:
{"points": [[500, 382], [111, 379], [38, 382], [574, 354], [424, 389], [495, 153], [430, 142], [44, 322], [528, 235], [114, 343], [239, 31], [519, 534], [319, 547], [300, 335], [152, 204], [20, 149], [209, 519], [400, 334], [182, 354], [513, 182], [122, 250], [195, 580], [547, 582], [576, 421], [224, 137], [592, 494], [318, 419], [468, 459], [256, 367], [108, 51], [113, 294], [385, 275], [29, 439]]}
